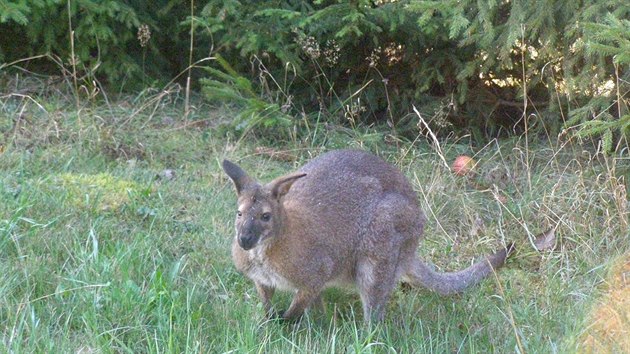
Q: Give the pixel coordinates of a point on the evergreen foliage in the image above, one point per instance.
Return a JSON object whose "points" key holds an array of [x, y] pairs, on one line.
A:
{"points": [[15, 11], [105, 37], [603, 116], [482, 66], [228, 85]]}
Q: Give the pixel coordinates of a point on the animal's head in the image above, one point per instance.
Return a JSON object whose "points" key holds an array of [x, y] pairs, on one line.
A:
{"points": [[260, 212]]}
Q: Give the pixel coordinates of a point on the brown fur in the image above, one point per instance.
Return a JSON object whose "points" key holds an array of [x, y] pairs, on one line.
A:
{"points": [[345, 218]]}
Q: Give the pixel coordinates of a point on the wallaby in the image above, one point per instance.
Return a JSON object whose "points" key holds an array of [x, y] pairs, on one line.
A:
{"points": [[345, 218]]}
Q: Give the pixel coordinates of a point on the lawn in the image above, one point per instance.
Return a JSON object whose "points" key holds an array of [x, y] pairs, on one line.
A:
{"points": [[116, 222]]}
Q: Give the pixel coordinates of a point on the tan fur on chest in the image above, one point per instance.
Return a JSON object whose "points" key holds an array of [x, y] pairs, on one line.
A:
{"points": [[261, 270]]}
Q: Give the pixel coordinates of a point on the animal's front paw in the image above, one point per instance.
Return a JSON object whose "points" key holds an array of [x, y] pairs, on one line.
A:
{"points": [[271, 314], [292, 317]]}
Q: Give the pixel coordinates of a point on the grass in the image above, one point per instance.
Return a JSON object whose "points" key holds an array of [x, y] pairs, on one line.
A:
{"points": [[102, 250]]}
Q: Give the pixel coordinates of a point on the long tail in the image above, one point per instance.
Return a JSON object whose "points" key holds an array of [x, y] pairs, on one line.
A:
{"points": [[421, 274]]}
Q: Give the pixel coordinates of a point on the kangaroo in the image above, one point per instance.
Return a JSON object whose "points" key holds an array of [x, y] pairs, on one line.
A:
{"points": [[346, 218]]}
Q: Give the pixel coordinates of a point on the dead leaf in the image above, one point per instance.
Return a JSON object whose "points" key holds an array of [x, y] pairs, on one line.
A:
{"points": [[477, 227], [166, 174], [546, 241]]}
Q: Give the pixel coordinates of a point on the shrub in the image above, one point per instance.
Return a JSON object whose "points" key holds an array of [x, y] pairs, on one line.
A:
{"points": [[106, 46], [480, 66]]}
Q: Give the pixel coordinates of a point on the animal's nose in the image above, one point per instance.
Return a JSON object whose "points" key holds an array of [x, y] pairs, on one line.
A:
{"points": [[247, 242]]}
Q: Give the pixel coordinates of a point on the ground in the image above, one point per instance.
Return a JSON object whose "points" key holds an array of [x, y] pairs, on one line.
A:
{"points": [[116, 222]]}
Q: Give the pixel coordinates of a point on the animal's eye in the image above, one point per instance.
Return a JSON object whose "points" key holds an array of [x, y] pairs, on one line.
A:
{"points": [[265, 217], [238, 213]]}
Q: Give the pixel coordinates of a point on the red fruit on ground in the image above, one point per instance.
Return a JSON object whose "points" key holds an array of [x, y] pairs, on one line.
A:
{"points": [[462, 165]]}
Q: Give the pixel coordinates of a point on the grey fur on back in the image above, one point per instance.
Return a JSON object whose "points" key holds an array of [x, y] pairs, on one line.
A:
{"points": [[345, 195], [345, 218], [342, 168]]}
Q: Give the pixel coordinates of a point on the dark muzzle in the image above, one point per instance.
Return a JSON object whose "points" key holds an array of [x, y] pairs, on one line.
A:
{"points": [[247, 242]]}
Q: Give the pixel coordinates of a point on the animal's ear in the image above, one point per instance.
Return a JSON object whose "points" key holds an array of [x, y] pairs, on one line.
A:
{"points": [[281, 185], [237, 175]]}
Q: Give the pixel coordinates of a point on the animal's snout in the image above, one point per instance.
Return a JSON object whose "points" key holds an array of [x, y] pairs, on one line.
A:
{"points": [[247, 241]]}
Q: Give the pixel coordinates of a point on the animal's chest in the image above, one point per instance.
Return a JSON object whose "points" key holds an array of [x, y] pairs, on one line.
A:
{"points": [[260, 270]]}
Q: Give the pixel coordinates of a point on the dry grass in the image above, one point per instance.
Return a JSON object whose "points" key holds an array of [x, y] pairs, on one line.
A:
{"points": [[608, 322], [101, 253]]}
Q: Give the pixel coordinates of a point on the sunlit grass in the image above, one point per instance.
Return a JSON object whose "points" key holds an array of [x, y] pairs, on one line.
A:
{"points": [[101, 251]]}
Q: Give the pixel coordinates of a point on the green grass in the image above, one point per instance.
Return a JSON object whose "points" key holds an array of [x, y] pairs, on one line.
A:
{"points": [[99, 252]]}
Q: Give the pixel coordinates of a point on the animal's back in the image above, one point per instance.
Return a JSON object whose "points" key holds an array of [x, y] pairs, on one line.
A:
{"points": [[342, 180]]}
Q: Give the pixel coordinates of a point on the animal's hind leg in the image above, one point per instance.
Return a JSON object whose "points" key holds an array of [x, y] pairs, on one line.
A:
{"points": [[390, 240], [302, 299], [376, 281]]}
